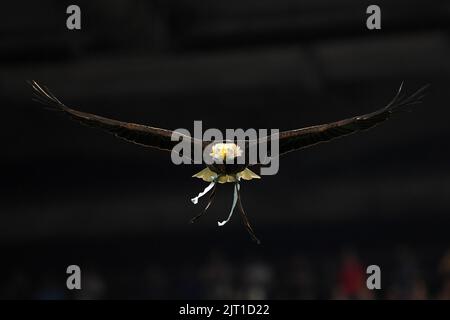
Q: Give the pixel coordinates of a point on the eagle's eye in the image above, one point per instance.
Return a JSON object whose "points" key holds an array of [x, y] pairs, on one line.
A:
{"points": [[225, 151]]}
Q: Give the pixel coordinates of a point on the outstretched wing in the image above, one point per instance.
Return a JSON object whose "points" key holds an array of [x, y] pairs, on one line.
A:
{"points": [[301, 138], [135, 133]]}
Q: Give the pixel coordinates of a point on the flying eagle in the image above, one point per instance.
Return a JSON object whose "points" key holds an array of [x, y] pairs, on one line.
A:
{"points": [[221, 150]]}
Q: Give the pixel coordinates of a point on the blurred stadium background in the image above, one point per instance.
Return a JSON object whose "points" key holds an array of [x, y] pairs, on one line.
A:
{"points": [[73, 195]]}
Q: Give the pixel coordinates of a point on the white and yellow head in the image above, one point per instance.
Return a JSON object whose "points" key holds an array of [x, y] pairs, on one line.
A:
{"points": [[225, 151]]}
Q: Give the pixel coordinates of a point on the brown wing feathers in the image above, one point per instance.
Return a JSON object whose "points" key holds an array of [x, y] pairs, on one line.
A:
{"points": [[136, 133], [288, 140], [301, 138]]}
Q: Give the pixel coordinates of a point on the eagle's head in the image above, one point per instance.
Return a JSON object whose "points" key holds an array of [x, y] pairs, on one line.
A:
{"points": [[225, 151]]}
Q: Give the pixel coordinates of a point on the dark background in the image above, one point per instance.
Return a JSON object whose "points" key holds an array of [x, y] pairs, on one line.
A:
{"points": [[73, 195]]}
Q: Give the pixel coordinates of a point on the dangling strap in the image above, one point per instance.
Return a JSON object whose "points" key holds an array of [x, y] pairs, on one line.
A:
{"points": [[201, 194], [246, 222], [235, 199], [210, 201]]}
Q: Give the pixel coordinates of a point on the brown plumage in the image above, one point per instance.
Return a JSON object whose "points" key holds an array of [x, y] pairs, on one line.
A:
{"points": [[289, 141], [136, 133], [305, 137]]}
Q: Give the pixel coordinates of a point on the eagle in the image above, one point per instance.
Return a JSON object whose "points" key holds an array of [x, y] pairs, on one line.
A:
{"points": [[224, 172]]}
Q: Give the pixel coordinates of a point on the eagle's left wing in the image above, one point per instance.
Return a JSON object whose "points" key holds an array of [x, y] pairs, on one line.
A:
{"points": [[301, 138]]}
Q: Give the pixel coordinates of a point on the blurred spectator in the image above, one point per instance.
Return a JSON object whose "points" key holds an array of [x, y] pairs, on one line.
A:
{"points": [[351, 278], [217, 278], [300, 280], [256, 278], [408, 282], [444, 273]]}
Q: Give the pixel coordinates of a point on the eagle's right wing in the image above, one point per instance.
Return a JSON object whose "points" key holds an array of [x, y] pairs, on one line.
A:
{"points": [[136, 133]]}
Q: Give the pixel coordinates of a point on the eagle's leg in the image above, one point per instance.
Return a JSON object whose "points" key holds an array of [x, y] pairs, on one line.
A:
{"points": [[210, 201], [245, 218]]}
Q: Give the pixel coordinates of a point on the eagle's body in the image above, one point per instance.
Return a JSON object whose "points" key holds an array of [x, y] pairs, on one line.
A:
{"points": [[220, 171], [225, 165]]}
